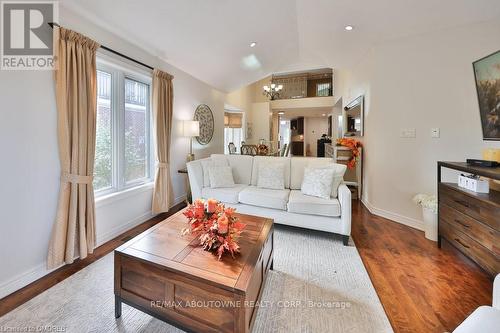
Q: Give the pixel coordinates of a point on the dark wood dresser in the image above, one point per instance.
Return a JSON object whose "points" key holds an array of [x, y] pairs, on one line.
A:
{"points": [[470, 221]]}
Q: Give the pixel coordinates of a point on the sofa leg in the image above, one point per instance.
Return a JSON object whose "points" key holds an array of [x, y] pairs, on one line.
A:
{"points": [[345, 239]]}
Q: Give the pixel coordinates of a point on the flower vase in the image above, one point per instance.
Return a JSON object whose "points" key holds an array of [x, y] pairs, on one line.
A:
{"points": [[431, 224]]}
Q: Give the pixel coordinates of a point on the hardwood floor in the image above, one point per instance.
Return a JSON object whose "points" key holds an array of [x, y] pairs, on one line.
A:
{"points": [[422, 288], [37, 287]]}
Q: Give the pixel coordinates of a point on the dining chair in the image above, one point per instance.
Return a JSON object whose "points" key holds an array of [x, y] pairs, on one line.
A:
{"points": [[249, 150], [232, 148]]}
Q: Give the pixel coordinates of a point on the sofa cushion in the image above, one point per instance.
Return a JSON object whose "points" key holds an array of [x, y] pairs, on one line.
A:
{"points": [[298, 164], [224, 194], [207, 163], [305, 204], [317, 182], [241, 165], [258, 159], [220, 176], [271, 175], [263, 197]]}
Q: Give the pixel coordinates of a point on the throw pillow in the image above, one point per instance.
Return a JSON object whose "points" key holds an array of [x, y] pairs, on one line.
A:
{"points": [[207, 163], [318, 182], [338, 174], [220, 176], [271, 175]]}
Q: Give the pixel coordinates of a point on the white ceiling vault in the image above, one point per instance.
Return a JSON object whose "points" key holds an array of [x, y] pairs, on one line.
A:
{"points": [[210, 39]]}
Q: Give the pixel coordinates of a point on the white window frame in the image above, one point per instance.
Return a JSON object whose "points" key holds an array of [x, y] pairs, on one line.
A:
{"points": [[119, 71], [243, 128]]}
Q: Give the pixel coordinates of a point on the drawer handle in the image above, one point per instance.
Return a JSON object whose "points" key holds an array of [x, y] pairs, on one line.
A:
{"points": [[462, 224], [463, 203], [459, 242]]}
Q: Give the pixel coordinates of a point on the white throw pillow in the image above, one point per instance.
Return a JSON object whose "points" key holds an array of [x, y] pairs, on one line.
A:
{"points": [[207, 163], [318, 182], [338, 174], [271, 175], [220, 176]]}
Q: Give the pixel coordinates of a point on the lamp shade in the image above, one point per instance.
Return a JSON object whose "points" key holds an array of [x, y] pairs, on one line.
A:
{"points": [[190, 128]]}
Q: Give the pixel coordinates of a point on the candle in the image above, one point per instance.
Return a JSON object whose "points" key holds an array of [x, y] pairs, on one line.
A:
{"points": [[211, 205]]}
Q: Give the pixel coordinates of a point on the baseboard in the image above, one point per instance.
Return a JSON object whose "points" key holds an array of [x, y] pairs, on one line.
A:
{"points": [[123, 227], [40, 270], [179, 199], [24, 279], [408, 221]]}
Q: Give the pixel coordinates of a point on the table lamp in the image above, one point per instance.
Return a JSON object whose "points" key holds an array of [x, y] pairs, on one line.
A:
{"points": [[190, 129]]}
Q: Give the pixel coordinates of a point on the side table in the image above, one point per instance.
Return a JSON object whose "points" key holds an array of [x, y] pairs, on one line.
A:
{"points": [[189, 198]]}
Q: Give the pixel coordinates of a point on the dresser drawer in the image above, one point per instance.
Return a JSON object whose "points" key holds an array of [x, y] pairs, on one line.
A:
{"points": [[470, 247], [484, 211], [484, 234]]}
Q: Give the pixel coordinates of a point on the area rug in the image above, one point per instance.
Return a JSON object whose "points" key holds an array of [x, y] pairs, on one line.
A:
{"points": [[317, 285]]}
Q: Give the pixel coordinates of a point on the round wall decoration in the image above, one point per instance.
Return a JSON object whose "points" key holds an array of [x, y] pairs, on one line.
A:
{"points": [[204, 115]]}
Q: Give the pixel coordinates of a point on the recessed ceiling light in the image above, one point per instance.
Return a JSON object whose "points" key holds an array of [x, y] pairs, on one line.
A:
{"points": [[281, 113], [324, 114], [349, 27], [252, 44]]}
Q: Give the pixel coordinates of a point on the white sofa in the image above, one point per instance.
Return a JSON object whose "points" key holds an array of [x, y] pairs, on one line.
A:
{"points": [[485, 319], [288, 206]]}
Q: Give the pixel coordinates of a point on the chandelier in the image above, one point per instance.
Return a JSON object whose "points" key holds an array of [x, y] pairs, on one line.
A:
{"points": [[273, 91]]}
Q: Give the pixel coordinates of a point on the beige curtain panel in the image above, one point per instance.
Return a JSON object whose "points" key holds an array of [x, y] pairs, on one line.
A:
{"points": [[163, 96], [73, 232]]}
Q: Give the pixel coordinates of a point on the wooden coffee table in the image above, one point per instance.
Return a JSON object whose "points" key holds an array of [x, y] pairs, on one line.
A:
{"points": [[172, 278]]}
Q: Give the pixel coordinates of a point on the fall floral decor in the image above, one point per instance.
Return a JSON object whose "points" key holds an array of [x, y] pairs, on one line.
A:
{"points": [[262, 149], [354, 146], [215, 226]]}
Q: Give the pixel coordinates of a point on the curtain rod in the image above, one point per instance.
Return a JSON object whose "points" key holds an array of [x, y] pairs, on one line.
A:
{"points": [[53, 24]]}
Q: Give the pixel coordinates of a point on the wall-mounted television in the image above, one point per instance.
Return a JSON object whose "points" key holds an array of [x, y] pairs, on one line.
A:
{"points": [[487, 74]]}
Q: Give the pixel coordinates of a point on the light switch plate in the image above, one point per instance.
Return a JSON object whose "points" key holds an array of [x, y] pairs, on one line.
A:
{"points": [[435, 132]]}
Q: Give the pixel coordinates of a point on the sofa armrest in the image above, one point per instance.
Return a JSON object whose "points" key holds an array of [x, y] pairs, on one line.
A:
{"points": [[195, 175], [496, 292], [344, 195]]}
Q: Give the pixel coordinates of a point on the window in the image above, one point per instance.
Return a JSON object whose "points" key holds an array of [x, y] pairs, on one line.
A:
{"points": [[234, 135], [233, 130], [123, 128], [136, 130], [323, 89], [103, 147]]}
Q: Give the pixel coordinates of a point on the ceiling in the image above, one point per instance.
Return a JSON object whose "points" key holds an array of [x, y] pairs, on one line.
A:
{"points": [[210, 39]]}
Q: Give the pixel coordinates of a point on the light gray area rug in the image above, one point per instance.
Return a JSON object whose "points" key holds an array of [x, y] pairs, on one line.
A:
{"points": [[318, 285]]}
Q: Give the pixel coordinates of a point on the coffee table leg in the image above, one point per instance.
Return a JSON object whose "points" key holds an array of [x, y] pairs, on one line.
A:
{"points": [[118, 307]]}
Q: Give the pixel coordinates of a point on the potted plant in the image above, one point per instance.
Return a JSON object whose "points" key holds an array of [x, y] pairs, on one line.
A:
{"points": [[429, 211]]}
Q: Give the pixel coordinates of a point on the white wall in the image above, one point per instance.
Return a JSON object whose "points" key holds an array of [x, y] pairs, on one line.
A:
{"points": [[261, 122], [419, 82], [30, 164], [314, 127]]}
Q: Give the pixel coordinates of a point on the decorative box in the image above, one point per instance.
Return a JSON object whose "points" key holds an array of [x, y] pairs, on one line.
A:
{"points": [[474, 184]]}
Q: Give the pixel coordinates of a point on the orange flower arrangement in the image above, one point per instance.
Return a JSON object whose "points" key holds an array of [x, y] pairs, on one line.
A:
{"points": [[215, 225], [354, 146]]}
